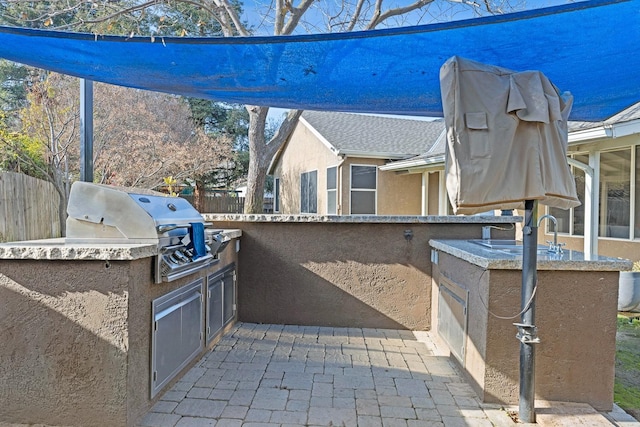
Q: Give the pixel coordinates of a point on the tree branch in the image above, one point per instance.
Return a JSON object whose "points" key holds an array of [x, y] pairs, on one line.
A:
{"points": [[296, 14], [355, 16], [284, 132], [231, 13], [380, 17]]}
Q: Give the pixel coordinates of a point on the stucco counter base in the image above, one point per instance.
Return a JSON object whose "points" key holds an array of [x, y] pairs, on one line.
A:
{"points": [[75, 324], [576, 305]]}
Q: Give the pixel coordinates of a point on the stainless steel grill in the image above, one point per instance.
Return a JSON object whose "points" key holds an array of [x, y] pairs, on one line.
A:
{"points": [[107, 214]]}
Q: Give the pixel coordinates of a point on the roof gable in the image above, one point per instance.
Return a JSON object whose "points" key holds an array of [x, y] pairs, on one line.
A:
{"points": [[374, 136]]}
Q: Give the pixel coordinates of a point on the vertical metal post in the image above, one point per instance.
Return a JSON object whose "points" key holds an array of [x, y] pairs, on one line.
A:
{"points": [[86, 130], [527, 332]]}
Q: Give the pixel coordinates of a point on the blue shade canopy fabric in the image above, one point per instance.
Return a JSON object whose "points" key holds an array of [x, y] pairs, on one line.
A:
{"points": [[591, 49]]}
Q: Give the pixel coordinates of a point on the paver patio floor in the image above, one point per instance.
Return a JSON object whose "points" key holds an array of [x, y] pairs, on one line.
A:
{"points": [[275, 375]]}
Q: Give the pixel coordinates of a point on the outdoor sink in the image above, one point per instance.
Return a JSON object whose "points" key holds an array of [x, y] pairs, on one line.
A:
{"points": [[512, 247], [542, 250]]}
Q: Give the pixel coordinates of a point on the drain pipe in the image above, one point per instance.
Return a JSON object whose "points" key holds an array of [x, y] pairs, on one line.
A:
{"points": [[527, 332]]}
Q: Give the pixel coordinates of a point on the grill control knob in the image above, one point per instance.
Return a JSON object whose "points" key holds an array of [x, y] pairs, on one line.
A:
{"points": [[173, 258], [182, 257]]}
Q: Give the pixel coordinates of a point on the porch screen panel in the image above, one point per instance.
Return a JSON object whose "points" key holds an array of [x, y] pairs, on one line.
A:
{"points": [[636, 229], [615, 193]]}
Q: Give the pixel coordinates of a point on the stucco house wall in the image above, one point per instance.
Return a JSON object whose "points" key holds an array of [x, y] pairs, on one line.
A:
{"points": [[304, 153], [397, 194]]}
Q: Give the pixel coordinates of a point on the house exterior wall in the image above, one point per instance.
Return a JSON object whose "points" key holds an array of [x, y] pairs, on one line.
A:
{"points": [[396, 194], [433, 193], [304, 153]]}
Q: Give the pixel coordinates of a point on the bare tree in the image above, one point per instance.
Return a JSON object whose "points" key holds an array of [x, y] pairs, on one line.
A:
{"points": [[141, 137], [51, 120]]}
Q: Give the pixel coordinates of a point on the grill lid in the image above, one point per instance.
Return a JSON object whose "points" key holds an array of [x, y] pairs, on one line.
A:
{"points": [[117, 213]]}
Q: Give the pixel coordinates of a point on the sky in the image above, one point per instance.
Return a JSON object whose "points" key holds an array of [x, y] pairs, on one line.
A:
{"points": [[438, 11]]}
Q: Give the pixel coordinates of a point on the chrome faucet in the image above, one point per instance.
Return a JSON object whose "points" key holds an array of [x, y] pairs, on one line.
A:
{"points": [[554, 247]]}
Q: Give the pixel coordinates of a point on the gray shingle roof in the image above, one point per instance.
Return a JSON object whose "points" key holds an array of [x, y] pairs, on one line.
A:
{"points": [[376, 135], [626, 115]]}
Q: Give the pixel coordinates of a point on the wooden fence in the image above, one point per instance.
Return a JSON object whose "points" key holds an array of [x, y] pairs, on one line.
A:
{"points": [[28, 208], [220, 203]]}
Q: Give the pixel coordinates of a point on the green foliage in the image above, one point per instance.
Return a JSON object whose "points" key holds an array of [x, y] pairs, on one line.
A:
{"points": [[625, 396], [13, 92], [221, 119], [119, 17], [627, 383], [19, 152]]}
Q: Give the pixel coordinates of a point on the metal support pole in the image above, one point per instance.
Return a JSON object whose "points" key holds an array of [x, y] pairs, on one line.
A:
{"points": [[86, 130], [527, 332]]}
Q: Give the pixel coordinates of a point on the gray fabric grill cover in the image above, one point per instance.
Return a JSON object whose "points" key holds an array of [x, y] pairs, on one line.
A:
{"points": [[506, 138]]}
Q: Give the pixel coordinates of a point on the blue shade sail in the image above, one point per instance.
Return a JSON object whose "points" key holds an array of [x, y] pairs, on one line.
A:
{"points": [[591, 49]]}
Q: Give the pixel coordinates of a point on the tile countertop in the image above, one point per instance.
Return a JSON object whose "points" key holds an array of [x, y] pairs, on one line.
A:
{"points": [[60, 249], [495, 259]]}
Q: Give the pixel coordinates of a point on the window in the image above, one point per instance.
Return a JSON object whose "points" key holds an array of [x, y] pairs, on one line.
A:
{"points": [[615, 194], [309, 192], [363, 189], [332, 193], [619, 215], [276, 194], [571, 221]]}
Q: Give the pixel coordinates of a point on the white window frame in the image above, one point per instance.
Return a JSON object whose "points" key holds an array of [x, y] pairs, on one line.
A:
{"points": [[351, 189], [316, 193], [276, 194], [332, 190]]}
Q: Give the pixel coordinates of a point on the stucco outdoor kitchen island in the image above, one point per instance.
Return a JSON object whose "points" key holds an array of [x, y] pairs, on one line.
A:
{"points": [[78, 321], [477, 298]]}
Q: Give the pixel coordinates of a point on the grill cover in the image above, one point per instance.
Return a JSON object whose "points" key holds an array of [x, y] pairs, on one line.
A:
{"points": [[506, 138]]}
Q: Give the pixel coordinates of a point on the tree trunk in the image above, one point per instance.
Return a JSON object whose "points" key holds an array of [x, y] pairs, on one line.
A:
{"points": [[62, 214], [262, 153], [199, 196], [258, 161]]}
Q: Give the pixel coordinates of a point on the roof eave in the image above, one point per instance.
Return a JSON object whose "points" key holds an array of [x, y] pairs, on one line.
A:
{"points": [[613, 130], [590, 134], [374, 155], [412, 164]]}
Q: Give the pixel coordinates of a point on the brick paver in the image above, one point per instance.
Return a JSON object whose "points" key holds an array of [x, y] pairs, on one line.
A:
{"points": [[286, 376]]}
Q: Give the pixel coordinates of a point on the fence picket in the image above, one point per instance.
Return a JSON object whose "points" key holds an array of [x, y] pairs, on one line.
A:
{"points": [[28, 208]]}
